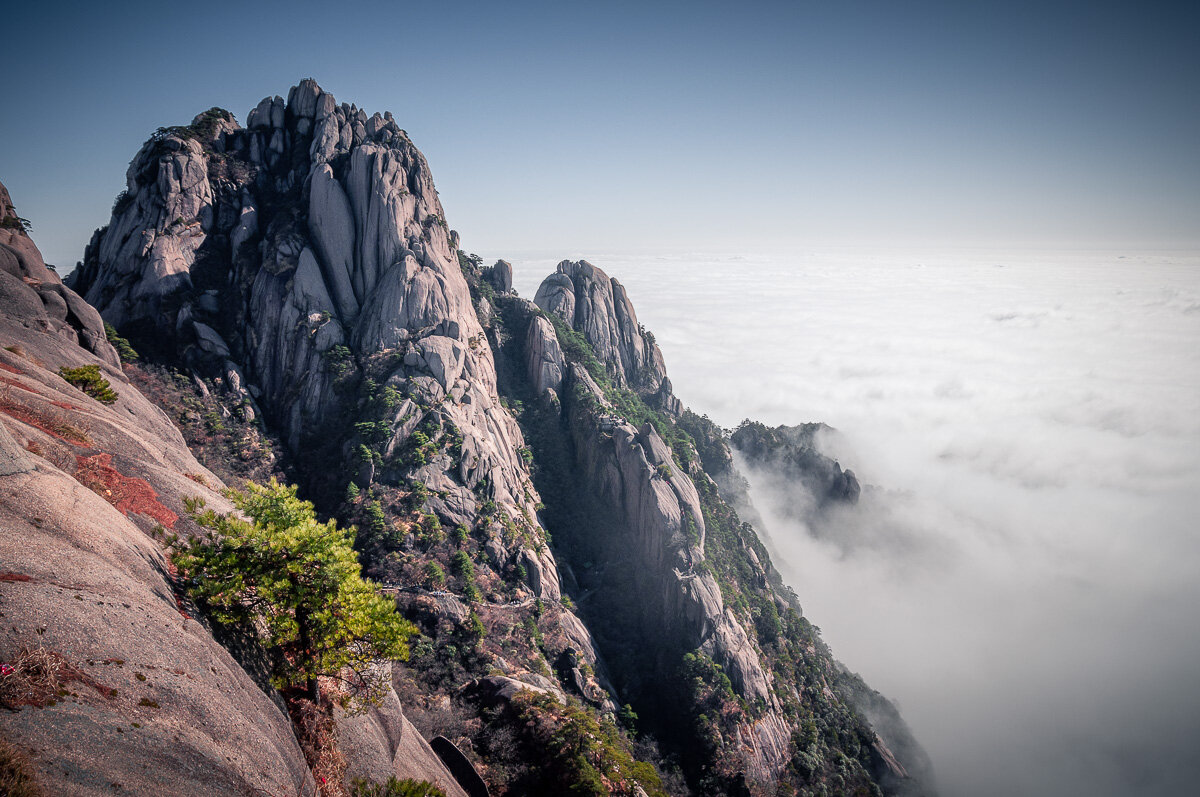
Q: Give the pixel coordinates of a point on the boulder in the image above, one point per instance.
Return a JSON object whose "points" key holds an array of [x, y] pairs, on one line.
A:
{"points": [[595, 305], [544, 359], [381, 743], [499, 690], [500, 276]]}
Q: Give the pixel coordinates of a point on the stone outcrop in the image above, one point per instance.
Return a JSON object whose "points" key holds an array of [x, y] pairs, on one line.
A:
{"points": [[791, 454], [154, 703], [36, 294], [304, 262], [903, 765], [544, 356], [500, 276], [595, 305], [309, 245], [662, 532], [381, 743], [499, 690]]}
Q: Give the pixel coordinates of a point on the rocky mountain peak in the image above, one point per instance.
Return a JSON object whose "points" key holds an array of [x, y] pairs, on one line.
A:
{"points": [[313, 233], [301, 270], [597, 306], [303, 266]]}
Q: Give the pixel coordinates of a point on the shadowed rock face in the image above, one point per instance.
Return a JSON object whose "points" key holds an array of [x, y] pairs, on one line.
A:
{"points": [[658, 531], [83, 578], [661, 531], [791, 453], [659, 525], [633, 470]]}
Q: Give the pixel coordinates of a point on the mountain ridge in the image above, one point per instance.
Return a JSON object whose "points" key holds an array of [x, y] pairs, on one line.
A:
{"points": [[301, 272]]}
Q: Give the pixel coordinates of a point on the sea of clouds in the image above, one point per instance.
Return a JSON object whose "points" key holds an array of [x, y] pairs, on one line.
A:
{"points": [[1025, 580]]}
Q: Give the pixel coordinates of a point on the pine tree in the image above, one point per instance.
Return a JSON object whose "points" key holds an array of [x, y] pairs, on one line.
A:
{"points": [[299, 582]]}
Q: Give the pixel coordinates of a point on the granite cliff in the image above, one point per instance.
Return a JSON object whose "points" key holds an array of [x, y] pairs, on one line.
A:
{"points": [[521, 475], [679, 591], [111, 679]]}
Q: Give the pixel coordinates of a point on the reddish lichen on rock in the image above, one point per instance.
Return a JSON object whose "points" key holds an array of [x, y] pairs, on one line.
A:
{"points": [[52, 422], [128, 494], [14, 577]]}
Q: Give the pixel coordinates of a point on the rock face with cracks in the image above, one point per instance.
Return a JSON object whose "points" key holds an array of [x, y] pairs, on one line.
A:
{"points": [[303, 263], [545, 361], [661, 528], [146, 697], [306, 249], [595, 305]]}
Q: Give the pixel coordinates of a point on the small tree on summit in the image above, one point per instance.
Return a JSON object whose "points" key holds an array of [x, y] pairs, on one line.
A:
{"points": [[299, 583]]}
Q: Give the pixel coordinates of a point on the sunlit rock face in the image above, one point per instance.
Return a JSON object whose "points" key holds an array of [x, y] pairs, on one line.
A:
{"points": [[298, 258], [313, 227], [596, 306]]}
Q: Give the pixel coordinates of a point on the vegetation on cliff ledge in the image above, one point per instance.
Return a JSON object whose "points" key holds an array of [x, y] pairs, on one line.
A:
{"points": [[691, 708], [299, 581]]}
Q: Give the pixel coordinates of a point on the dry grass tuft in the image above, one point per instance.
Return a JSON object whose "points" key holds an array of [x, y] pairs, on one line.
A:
{"points": [[38, 677], [16, 772], [315, 732]]}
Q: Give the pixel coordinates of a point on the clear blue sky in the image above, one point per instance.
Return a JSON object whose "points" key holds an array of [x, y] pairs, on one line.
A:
{"points": [[613, 125]]}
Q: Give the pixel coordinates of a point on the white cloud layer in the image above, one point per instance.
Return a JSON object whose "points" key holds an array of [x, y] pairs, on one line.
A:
{"points": [[1025, 584]]}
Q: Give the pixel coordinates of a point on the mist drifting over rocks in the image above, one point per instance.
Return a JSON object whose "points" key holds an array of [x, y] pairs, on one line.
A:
{"points": [[1022, 572]]}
